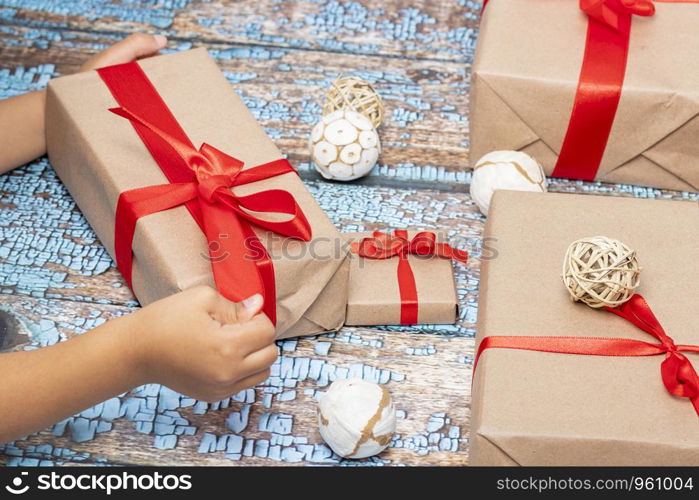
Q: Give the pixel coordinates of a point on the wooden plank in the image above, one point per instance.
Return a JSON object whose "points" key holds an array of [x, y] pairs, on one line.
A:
{"points": [[424, 135], [401, 28], [47, 248], [275, 423], [285, 89]]}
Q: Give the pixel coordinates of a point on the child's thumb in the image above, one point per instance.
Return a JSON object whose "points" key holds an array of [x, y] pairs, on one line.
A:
{"points": [[250, 307]]}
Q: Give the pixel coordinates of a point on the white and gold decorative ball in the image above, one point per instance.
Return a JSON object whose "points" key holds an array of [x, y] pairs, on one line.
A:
{"points": [[511, 170], [344, 145], [356, 418]]}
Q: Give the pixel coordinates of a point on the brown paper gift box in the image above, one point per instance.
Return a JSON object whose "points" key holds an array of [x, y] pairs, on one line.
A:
{"points": [[374, 295], [98, 155], [525, 76], [534, 408]]}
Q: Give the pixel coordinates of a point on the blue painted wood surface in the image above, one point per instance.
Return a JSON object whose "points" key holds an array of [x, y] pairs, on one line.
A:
{"points": [[57, 281]]}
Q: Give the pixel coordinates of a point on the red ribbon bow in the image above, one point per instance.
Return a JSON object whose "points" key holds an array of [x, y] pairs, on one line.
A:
{"points": [[202, 180], [385, 246], [610, 11], [679, 376]]}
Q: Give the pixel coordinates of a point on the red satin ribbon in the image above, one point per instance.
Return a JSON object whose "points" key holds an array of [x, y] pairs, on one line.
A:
{"points": [[386, 246], [202, 181], [679, 376], [599, 84]]}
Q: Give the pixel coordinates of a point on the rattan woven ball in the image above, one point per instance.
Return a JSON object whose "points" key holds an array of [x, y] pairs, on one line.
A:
{"points": [[356, 94], [600, 271]]}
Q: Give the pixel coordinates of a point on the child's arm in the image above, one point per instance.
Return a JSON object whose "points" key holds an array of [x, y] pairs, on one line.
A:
{"points": [[195, 342], [22, 137]]}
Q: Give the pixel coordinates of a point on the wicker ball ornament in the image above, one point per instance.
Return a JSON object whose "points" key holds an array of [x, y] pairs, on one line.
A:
{"points": [[355, 94], [600, 271]]}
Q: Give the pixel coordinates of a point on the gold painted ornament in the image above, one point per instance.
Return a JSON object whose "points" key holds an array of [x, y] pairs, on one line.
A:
{"points": [[510, 170], [600, 271], [356, 418], [344, 144]]}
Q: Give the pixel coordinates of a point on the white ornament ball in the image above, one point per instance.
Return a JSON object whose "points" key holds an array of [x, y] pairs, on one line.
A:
{"points": [[511, 170], [344, 145], [356, 418]]}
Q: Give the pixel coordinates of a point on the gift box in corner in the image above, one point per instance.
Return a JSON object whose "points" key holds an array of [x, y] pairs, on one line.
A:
{"points": [[166, 148], [551, 408], [602, 89], [401, 278]]}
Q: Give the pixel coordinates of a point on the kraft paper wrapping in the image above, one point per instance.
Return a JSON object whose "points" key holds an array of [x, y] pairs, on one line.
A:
{"points": [[374, 295], [525, 75], [533, 408], [98, 155]]}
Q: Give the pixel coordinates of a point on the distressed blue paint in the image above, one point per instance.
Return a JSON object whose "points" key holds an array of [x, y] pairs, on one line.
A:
{"points": [[167, 442], [238, 421], [286, 396], [438, 435], [395, 85], [280, 423], [322, 348], [420, 351], [351, 337], [38, 260], [34, 260], [335, 26], [158, 14], [111, 409]]}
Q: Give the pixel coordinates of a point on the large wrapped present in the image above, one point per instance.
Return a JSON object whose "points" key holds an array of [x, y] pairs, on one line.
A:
{"points": [[631, 400], [401, 278], [229, 211], [594, 89]]}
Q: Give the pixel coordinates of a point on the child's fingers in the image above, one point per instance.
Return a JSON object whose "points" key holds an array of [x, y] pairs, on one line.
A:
{"points": [[249, 381], [226, 312], [260, 360], [252, 335], [129, 49], [134, 46]]}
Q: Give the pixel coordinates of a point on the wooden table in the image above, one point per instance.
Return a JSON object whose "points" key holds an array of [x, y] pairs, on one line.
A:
{"points": [[57, 281]]}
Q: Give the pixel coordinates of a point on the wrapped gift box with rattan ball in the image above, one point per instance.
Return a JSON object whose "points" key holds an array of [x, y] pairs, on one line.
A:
{"points": [[548, 408]]}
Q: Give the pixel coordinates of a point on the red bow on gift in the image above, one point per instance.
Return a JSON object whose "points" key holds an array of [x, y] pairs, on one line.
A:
{"points": [[225, 217], [385, 246], [609, 11], [679, 376], [201, 180]]}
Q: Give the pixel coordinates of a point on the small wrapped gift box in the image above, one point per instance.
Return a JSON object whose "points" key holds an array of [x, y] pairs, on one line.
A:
{"points": [[401, 278], [556, 408], [229, 211], [593, 89]]}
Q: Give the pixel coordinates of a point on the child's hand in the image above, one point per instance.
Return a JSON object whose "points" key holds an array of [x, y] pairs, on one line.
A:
{"points": [[202, 345], [129, 49], [196, 342]]}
